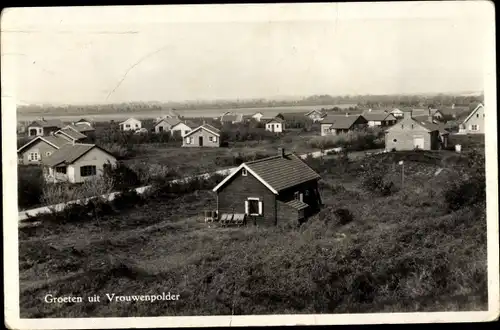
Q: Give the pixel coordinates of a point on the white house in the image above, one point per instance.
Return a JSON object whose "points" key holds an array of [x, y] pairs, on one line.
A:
{"points": [[130, 124], [474, 123], [181, 127], [398, 113], [257, 116], [276, 125], [76, 163]]}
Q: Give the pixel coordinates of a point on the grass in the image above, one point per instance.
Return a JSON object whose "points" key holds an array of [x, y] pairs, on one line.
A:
{"points": [[399, 253]]}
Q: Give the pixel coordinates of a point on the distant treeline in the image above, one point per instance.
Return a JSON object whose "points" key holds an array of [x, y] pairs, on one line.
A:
{"points": [[316, 100]]}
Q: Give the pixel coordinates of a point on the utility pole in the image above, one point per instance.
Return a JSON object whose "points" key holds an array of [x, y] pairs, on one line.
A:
{"points": [[402, 173]]}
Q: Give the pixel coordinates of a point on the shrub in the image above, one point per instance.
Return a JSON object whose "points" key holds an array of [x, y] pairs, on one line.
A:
{"points": [[465, 193], [122, 176], [373, 178], [127, 199], [344, 216], [55, 193], [30, 185]]}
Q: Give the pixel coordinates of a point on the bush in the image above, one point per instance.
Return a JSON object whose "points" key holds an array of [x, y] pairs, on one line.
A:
{"points": [[373, 178], [30, 185], [122, 176]]}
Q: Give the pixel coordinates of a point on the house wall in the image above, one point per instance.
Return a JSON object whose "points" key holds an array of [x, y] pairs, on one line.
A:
{"points": [[42, 131], [166, 127], [312, 198], [41, 147], [325, 129], [231, 198], [286, 214], [95, 157], [278, 127], [476, 119], [372, 123], [182, 128], [404, 135], [134, 125], [196, 136]]}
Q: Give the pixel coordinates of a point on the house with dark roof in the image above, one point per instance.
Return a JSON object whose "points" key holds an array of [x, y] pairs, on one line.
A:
{"points": [[275, 125], [379, 118], [44, 127], [165, 124], [430, 111], [39, 148], [182, 128], [70, 134], [416, 132], [76, 163], [341, 124], [83, 128], [276, 190], [203, 136]]}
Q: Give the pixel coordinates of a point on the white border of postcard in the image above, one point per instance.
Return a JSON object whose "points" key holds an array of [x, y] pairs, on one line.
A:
{"points": [[266, 12]]}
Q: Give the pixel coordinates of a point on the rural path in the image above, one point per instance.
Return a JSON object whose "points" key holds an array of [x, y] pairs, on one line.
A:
{"points": [[23, 215]]}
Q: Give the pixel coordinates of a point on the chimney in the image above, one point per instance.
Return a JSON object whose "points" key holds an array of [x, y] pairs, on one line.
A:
{"points": [[429, 118], [281, 152], [453, 106], [73, 141]]}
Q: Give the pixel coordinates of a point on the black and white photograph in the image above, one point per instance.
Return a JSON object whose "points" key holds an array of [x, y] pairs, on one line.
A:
{"points": [[250, 164]]}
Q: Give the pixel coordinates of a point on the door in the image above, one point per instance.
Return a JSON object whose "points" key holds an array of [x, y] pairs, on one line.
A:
{"points": [[418, 142], [160, 129], [200, 141]]}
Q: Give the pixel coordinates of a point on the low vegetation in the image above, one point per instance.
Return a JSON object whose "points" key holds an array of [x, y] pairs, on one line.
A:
{"points": [[365, 251]]}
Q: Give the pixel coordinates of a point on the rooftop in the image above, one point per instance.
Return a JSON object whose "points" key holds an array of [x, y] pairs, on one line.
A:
{"points": [[341, 121], [68, 153]]}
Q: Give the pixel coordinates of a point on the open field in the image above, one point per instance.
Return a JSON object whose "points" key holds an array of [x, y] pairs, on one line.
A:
{"points": [[402, 252]]}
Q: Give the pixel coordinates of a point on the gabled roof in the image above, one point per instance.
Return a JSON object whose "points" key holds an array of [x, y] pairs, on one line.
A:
{"points": [[170, 121], [341, 121], [71, 133], [377, 116], [69, 153], [276, 119], [320, 112], [277, 173], [183, 123], [207, 127], [83, 120], [54, 141], [129, 119], [47, 123], [479, 106], [81, 127], [258, 113]]}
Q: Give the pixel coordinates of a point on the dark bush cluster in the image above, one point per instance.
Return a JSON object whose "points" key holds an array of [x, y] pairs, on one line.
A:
{"points": [[123, 176], [373, 178], [30, 185]]}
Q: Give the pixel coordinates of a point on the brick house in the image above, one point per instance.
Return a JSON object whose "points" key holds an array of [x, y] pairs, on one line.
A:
{"points": [[341, 124], [204, 136], [416, 133], [270, 191]]}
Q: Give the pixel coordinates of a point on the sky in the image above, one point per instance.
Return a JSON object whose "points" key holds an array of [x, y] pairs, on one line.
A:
{"points": [[108, 56]]}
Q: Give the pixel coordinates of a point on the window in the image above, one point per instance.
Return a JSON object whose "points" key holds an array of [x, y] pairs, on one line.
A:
{"points": [[477, 115], [244, 172], [127, 125], [48, 153], [296, 195], [402, 126], [253, 206], [395, 140], [215, 139], [136, 125], [306, 193], [188, 140], [474, 127], [88, 170], [210, 138], [411, 126], [34, 156], [61, 169], [160, 129]]}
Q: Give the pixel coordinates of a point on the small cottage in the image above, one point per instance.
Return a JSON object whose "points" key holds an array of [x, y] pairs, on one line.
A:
{"points": [[230, 118], [269, 191], [341, 124], [275, 125], [316, 115], [39, 148], [416, 133], [257, 116], [44, 127], [76, 163], [204, 136], [165, 124], [430, 111], [70, 134], [474, 123], [379, 118], [181, 128], [130, 124], [398, 113]]}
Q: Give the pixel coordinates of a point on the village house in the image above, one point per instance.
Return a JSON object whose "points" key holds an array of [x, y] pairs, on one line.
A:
{"points": [[398, 113], [182, 128], [341, 124], [165, 124], [275, 190], [416, 133], [39, 148], [76, 163], [455, 112], [230, 118], [275, 125], [379, 118], [44, 127], [130, 124], [474, 123], [70, 134], [316, 115], [83, 126], [204, 136], [257, 116], [435, 113]]}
